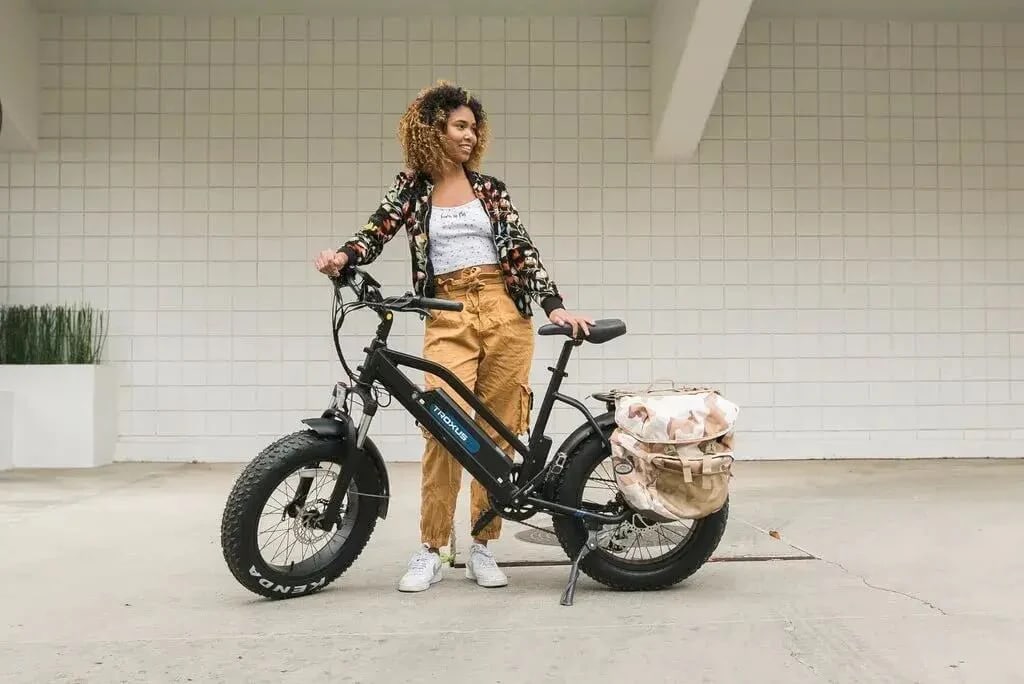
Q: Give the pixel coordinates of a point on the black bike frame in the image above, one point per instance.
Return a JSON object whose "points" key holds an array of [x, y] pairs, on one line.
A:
{"points": [[510, 486]]}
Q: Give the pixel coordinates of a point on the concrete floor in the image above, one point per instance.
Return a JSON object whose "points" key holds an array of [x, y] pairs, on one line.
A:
{"points": [[116, 575]]}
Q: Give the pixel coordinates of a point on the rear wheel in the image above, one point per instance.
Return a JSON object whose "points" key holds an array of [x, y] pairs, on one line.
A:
{"points": [[275, 548], [637, 554]]}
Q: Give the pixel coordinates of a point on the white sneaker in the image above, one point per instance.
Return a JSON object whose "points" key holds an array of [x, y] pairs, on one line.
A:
{"points": [[424, 571], [482, 567]]}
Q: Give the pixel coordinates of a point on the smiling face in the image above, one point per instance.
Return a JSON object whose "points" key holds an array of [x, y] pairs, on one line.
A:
{"points": [[443, 130], [460, 135]]}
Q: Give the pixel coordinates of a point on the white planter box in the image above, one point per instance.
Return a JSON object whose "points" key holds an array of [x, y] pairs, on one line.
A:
{"points": [[6, 431], [65, 416]]}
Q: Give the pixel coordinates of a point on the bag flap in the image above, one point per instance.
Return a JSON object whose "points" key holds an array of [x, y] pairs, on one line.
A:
{"points": [[682, 415]]}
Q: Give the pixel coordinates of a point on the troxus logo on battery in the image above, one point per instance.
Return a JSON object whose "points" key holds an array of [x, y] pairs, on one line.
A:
{"points": [[472, 446]]}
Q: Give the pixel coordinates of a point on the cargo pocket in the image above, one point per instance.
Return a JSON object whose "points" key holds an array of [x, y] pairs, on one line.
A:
{"points": [[525, 407], [423, 431]]}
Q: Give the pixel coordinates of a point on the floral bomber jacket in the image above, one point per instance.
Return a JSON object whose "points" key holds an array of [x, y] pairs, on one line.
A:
{"points": [[407, 203]]}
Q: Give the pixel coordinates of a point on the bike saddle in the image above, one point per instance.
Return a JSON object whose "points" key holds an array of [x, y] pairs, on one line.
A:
{"points": [[604, 329]]}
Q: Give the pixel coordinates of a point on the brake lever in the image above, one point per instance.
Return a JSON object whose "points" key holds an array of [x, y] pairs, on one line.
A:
{"points": [[367, 278]]}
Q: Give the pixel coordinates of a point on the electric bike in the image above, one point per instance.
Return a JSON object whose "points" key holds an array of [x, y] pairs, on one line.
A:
{"points": [[321, 490]]}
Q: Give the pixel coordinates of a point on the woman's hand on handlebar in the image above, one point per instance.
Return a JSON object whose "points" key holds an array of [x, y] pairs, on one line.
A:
{"points": [[330, 262]]}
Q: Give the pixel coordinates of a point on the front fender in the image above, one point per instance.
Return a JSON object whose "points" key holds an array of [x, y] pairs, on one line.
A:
{"points": [[340, 426]]}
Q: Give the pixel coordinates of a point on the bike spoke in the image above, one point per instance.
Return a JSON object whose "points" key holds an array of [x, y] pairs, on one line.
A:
{"points": [[668, 529], [280, 541], [661, 536], [277, 531], [295, 542], [276, 528], [635, 540], [608, 481], [291, 547]]}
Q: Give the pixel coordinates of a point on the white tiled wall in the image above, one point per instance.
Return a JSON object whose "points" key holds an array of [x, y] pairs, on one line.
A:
{"points": [[845, 259]]}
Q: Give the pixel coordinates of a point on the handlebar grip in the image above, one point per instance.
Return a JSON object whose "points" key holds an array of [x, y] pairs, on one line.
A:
{"points": [[440, 304]]}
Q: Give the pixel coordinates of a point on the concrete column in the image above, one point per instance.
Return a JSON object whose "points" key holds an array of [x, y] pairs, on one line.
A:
{"points": [[19, 76], [691, 46]]}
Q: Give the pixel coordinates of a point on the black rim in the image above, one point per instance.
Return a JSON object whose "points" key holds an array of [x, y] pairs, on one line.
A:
{"points": [[637, 541], [293, 544]]}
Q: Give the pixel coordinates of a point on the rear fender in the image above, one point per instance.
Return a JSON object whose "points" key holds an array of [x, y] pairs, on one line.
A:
{"points": [[605, 421], [577, 438], [338, 426]]}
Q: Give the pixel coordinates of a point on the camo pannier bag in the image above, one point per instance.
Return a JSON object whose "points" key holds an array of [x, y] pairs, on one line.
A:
{"points": [[672, 451]]}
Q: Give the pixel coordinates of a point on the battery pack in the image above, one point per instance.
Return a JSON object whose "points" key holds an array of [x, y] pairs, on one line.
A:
{"points": [[467, 442]]}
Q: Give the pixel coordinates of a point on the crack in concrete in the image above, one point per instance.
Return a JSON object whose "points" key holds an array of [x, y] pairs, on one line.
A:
{"points": [[791, 630], [912, 597], [794, 656], [842, 567]]}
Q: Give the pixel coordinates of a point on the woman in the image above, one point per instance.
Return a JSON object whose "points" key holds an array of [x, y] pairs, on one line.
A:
{"points": [[467, 243]]}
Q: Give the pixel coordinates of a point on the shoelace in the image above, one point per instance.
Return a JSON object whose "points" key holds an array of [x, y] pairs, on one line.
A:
{"points": [[419, 562], [485, 559]]}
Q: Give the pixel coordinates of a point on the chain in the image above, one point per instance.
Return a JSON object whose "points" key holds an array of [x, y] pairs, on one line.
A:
{"points": [[536, 527]]}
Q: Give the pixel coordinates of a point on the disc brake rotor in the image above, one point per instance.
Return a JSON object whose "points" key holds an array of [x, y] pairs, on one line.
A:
{"points": [[306, 524]]}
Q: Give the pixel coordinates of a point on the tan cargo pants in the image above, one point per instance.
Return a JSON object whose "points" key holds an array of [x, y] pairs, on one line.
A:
{"points": [[489, 346]]}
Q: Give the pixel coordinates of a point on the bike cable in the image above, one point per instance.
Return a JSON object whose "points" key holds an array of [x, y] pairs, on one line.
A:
{"points": [[340, 311], [338, 320]]}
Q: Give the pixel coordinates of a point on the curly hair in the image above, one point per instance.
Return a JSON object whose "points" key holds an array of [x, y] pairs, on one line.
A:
{"points": [[422, 128]]}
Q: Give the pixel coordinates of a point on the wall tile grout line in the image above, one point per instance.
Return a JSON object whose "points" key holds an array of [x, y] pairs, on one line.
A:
{"points": [[842, 256]]}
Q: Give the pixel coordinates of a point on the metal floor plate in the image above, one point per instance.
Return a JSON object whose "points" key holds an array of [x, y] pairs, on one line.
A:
{"points": [[545, 536]]}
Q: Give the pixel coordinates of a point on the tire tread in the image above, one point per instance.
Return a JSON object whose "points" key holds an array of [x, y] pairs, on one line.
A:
{"points": [[279, 455]]}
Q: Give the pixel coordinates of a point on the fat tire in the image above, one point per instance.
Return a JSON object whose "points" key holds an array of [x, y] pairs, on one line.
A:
{"points": [[603, 568], [249, 494]]}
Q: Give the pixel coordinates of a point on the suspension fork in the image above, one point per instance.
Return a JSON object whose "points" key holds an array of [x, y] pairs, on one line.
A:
{"points": [[355, 456], [352, 461], [298, 501]]}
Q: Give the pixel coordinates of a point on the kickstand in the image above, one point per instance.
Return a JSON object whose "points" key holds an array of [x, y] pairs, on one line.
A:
{"points": [[574, 573]]}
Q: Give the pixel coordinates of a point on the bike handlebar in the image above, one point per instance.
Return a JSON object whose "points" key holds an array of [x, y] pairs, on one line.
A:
{"points": [[439, 304], [368, 292]]}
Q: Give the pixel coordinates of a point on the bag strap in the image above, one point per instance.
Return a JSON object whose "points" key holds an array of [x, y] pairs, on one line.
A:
{"points": [[672, 388], [707, 469]]}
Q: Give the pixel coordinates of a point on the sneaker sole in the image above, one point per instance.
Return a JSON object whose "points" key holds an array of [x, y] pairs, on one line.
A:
{"points": [[418, 588], [471, 576]]}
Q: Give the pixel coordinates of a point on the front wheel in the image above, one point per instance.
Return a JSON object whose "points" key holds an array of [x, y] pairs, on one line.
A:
{"points": [[272, 545], [638, 554]]}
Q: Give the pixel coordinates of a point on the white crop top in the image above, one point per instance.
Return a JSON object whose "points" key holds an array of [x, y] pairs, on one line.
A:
{"points": [[460, 237]]}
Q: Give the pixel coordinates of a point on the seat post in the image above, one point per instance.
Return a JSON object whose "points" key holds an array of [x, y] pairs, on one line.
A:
{"points": [[563, 360], [557, 374]]}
